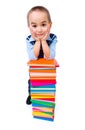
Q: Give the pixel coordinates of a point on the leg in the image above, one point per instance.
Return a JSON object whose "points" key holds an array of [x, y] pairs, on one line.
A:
{"points": [[29, 87], [28, 101]]}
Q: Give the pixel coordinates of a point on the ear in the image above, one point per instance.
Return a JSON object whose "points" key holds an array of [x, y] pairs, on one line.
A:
{"points": [[50, 24]]}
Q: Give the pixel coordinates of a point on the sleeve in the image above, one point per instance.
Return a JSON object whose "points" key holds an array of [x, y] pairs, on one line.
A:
{"points": [[30, 52], [53, 49]]}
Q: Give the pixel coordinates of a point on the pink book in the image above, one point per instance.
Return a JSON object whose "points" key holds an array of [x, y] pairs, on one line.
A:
{"points": [[41, 83], [46, 99]]}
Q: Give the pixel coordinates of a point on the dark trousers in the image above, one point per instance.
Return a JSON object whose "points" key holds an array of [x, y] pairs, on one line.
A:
{"points": [[29, 87]]}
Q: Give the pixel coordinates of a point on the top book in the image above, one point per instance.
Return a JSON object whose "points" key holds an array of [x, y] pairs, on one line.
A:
{"points": [[43, 62]]}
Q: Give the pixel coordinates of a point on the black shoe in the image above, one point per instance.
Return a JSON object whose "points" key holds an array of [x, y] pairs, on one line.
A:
{"points": [[28, 101]]}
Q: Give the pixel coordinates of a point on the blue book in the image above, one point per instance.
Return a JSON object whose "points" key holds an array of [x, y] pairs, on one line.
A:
{"points": [[43, 91], [44, 118], [45, 86]]}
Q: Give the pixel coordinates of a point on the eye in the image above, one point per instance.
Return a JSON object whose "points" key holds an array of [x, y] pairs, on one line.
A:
{"points": [[34, 26], [43, 24]]}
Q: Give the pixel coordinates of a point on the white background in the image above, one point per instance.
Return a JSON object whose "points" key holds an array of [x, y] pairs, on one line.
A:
{"points": [[68, 19]]}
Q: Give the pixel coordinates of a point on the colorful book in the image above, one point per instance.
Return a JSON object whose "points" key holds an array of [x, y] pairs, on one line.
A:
{"points": [[43, 62], [44, 86], [46, 103], [42, 91], [42, 73], [42, 82], [46, 99], [44, 118], [43, 114], [43, 109]]}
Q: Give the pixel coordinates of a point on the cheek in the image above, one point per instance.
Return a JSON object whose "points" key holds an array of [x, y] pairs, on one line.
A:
{"points": [[31, 30], [47, 28]]}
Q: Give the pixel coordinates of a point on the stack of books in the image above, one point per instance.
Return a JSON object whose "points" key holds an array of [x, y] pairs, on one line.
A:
{"points": [[42, 74]]}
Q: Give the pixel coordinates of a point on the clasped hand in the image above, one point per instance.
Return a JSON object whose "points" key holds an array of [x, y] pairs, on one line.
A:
{"points": [[42, 38]]}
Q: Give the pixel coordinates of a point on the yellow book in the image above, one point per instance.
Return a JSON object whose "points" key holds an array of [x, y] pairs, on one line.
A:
{"points": [[42, 95], [41, 114]]}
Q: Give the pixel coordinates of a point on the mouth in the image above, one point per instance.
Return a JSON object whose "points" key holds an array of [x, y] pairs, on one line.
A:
{"points": [[39, 34]]}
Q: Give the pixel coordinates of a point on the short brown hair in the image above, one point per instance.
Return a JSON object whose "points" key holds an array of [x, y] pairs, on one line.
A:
{"points": [[40, 8]]}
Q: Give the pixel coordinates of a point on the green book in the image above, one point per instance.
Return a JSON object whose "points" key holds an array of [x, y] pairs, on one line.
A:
{"points": [[46, 103]]}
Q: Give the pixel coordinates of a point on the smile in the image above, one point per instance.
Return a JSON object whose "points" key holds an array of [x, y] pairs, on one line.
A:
{"points": [[39, 34]]}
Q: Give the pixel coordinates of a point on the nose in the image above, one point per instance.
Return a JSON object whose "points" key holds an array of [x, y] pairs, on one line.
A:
{"points": [[39, 29]]}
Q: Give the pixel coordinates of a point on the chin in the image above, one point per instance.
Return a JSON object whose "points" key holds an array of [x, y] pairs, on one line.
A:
{"points": [[39, 37]]}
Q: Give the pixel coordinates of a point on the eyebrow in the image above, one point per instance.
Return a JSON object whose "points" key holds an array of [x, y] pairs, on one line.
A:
{"points": [[33, 23], [44, 22], [41, 22]]}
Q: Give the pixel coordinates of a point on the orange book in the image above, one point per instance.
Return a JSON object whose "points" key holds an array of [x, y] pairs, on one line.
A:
{"points": [[43, 71], [34, 96], [43, 77], [43, 62]]}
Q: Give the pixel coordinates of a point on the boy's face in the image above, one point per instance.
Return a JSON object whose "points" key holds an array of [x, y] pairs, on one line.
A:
{"points": [[39, 24]]}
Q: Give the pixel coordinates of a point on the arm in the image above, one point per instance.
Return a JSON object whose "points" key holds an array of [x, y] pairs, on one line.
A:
{"points": [[49, 51], [46, 49], [52, 48], [33, 49], [30, 51], [36, 48]]}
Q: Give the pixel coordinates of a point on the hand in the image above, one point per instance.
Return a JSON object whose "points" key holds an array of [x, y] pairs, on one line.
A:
{"points": [[45, 36], [36, 38]]}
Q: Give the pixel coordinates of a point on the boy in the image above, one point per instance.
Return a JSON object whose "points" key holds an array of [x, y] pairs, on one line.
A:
{"points": [[41, 43]]}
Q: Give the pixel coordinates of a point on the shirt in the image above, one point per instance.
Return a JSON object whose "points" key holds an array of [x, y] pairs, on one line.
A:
{"points": [[51, 41]]}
